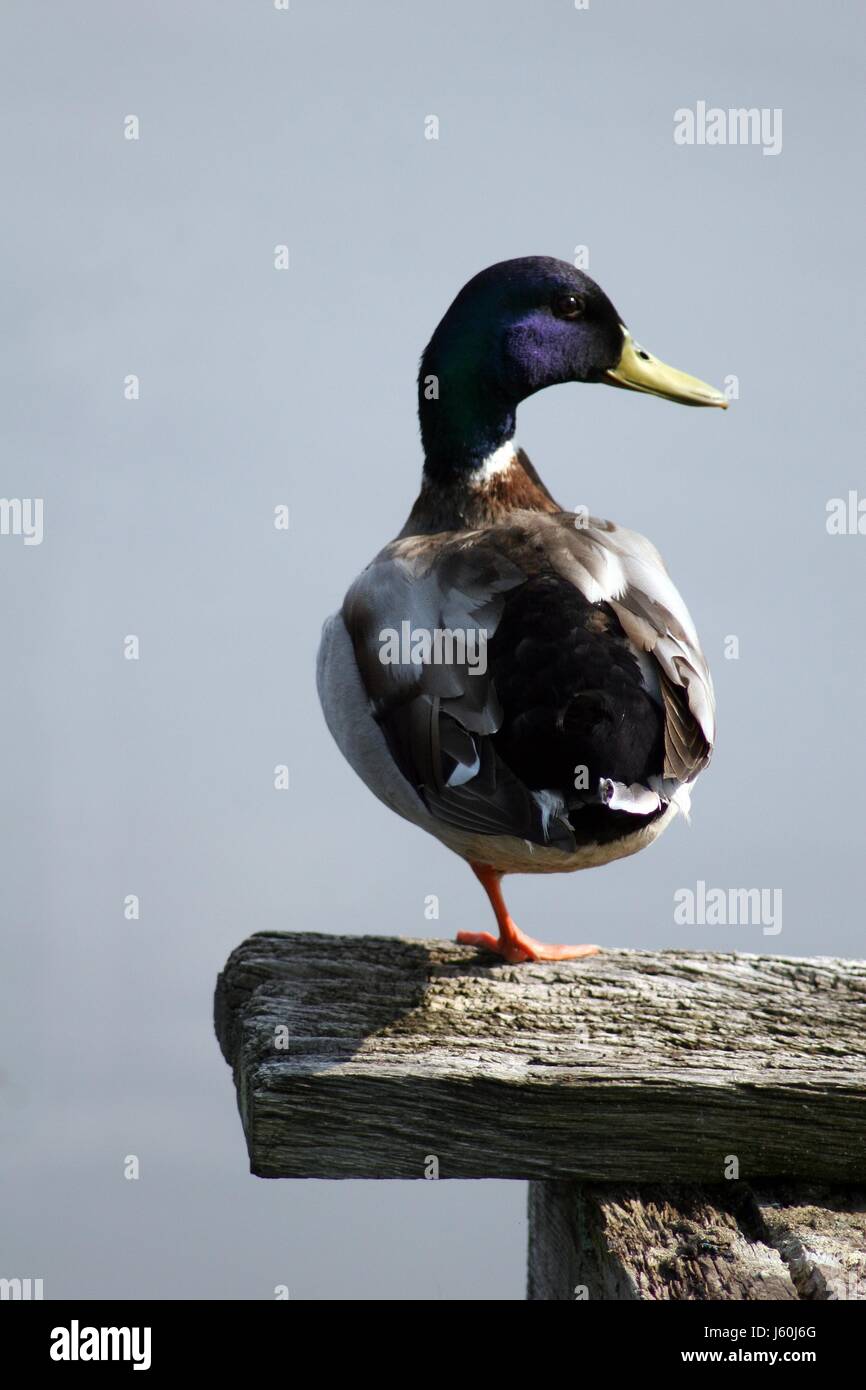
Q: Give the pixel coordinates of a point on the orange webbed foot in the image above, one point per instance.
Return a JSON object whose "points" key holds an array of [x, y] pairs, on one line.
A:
{"points": [[517, 946], [511, 943]]}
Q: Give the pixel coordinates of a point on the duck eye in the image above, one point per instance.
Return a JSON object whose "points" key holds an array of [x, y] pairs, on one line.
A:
{"points": [[568, 306]]}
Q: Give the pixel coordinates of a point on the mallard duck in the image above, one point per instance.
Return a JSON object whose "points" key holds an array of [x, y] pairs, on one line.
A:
{"points": [[523, 682]]}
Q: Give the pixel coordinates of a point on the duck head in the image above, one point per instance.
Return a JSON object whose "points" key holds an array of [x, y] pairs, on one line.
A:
{"points": [[514, 329]]}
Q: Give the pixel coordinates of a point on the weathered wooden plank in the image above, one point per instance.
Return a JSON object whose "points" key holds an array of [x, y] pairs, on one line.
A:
{"points": [[628, 1067], [726, 1242]]}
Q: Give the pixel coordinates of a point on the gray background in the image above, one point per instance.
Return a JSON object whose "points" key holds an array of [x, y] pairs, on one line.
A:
{"points": [[258, 387]]}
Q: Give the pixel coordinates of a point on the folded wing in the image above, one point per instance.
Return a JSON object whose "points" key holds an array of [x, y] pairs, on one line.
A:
{"points": [[596, 603]]}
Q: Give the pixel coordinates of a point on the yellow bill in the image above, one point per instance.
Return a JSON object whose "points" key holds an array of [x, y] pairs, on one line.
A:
{"points": [[638, 370]]}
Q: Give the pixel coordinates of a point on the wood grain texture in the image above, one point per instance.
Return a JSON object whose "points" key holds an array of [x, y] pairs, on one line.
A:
{"points": [[727, 1242], [821, 1235], [629, 1067]]}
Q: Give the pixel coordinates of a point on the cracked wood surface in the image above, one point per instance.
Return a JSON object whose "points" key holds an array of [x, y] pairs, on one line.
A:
{"points": [[730, 1241], [627, 1067]]}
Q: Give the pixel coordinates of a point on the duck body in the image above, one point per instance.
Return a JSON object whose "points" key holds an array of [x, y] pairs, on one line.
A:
{"points": [[521, 682]]}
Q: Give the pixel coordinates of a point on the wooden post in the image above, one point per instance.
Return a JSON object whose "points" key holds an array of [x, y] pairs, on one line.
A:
{"points": [[689, 1122], [768, 1240]]}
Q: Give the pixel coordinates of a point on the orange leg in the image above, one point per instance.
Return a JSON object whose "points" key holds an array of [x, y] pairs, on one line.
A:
{"points": [[511, 943]]}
